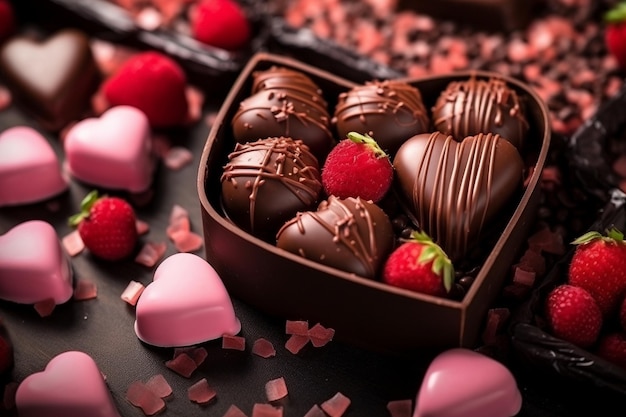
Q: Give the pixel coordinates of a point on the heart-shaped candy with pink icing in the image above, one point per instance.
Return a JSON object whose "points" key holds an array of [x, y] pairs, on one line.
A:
{"points": [[70, 386], [185, 304], [463, 383], [113, 151], [33, 265], [29, 169]]}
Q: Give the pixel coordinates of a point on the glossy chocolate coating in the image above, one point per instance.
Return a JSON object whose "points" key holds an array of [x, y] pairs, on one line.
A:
{"points": [[389, 111], [285, 103], [454, 189], [265, 183], [467, 108], [351, 234], [52, 80]]}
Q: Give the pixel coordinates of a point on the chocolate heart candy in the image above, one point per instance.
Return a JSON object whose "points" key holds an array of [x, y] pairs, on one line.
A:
{"points": [[454, 189], [53, 79], [350, 234]]}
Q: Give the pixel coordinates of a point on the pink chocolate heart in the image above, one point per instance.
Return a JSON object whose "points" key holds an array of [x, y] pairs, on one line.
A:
{"points": [[113, 151], [33, 266], [463, 383], [186, 304], [70, 386], [29, 168]]}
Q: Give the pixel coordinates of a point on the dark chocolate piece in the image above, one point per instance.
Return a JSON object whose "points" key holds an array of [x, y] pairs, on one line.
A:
{"points": [[53, 80], [454, 189], [265, 183], [467, 108], [389, 111], [284, 105], [351, 234]]}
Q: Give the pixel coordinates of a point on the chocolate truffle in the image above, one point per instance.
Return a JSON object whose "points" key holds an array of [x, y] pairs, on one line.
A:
{"points": [[389, 111], [352, 235], [466, 108], [455, 189], [286, 104], [266, 182], [53, 80]]}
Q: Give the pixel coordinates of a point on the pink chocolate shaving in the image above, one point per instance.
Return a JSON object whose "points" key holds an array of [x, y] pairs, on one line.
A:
{"points": [[159, 385], [72, 243], [195, 101], [299, 327], [315, 411], [234, 411], [151, 253], [233, 342], [547, 241], [177, 157], [523, 277], [85, 290], [182, 364], [400, 408], [45, 308], [139, 395], [296, 343], [276, 389], [199, 355], [188, 242], [337, 405], [132, 292], [320, 335], [142, 227], [266, 410], [263, 348], [201, 392]]}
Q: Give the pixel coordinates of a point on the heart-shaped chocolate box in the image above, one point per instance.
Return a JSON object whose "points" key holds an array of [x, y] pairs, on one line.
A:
{"points": [[363, 312]]}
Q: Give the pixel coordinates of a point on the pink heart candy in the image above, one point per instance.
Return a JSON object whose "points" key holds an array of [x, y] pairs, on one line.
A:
{"points": [[70, 386], [463, 383], [185, 304], [29, 168], [113, 151], [33, 265]]}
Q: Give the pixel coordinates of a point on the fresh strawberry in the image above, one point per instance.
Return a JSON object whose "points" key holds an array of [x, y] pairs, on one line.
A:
{"points": [[107, 226], [153, 83], [573, 315], [599, 266], [419, 264], [615, 33], [357, 167], [220, 23], [7, 20], [612, 347]]}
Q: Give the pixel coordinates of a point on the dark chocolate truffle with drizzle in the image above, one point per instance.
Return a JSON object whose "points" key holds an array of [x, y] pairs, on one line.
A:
{"points": [[466, 108], [285, 104], [390, 111], [265, 183], [453, 190], [351, 234]]}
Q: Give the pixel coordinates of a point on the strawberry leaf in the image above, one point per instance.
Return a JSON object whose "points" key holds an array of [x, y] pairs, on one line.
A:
{"points": [[85, 207], [616, 14], [442, 265], [368, 141], [587, 238]]}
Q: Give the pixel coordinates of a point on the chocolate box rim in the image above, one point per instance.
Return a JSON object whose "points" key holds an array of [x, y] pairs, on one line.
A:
{"points": [[296, 64]]}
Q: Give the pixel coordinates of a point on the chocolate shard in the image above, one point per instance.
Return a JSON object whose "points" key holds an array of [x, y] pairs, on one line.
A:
{"points": [[453, 190], [351, 234]]}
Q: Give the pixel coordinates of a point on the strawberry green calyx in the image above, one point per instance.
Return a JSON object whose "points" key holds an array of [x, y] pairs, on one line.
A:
{"points": [[616, 14], [613, 235], [368, 141], [442, 265], [85, 207]]}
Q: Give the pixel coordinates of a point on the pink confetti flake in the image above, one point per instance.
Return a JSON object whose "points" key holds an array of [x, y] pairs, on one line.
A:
{"points": [[233, 342], [159, 385], [139, 395], [45, 308], [195, 101], [142, 227], [547, 241], [321, 335], [234, 411], [400, 408], [151, 253], [178, 227], [337, 405], [85, 290], [523, 277], [5, 98], [177, 157], [72, 243], [276, 389], [299, 327], [148, 19], [263, 348], [188, 242], [199, 355], [295, 343], [132, 292], [266, 410], [178, 212], [315, 411], [201, 392], [182, 364]]}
